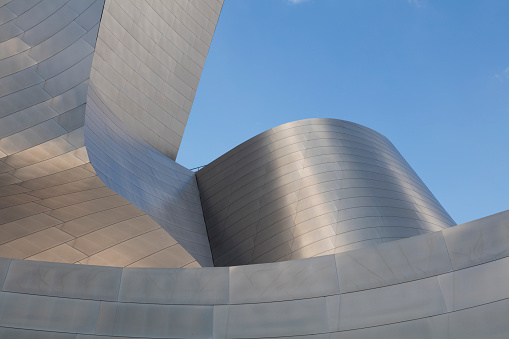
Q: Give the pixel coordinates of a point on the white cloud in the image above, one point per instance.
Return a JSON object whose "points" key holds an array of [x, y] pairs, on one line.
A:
{"points": [[417, 3], [295, 2], [504, 75]]}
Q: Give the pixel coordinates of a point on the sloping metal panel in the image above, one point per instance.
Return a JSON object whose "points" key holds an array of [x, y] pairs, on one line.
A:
{"points": [[309, 188], [53, 205]]}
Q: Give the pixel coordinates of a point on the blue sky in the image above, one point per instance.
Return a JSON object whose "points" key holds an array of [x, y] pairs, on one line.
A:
{"points": [[432, 76]]}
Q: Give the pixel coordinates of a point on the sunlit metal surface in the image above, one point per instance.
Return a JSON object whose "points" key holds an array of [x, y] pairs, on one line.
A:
{"points": [[364, 293], [53, 206], [148, 62], [316, 188], [309, 188], [156, 184]]}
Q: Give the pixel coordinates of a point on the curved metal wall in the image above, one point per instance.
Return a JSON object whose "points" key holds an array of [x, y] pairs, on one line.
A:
{"points": [[148, 62], [165, 190], [310, 188], [53, 206], [450, 283], [446, 284], [149, 58]]}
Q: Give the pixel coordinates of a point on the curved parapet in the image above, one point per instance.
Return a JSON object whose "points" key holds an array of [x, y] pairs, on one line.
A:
{"points": [[309, 188], [446, 284]]}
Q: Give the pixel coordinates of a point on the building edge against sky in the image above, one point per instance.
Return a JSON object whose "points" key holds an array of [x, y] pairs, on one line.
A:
{"points": [[318, 187]]}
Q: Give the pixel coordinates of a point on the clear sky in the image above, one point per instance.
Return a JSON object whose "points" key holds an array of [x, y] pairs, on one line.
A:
{"points": [[431, 75]]}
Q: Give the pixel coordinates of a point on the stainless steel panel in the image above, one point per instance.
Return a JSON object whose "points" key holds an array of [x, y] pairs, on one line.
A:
{"points": [[220, 321], [425, 328], [117, 233], [64, 59], [34, 243], [205, 286], [481, 284], [26, 118], [48, 313], [393, 263], [71, 99], [61, 40], [90, 222], [69, 78], [385, 305], [20, 211], [4, 266], [31, 137], [53, 23], [132, 250], [283, 281], [15, 64], [18, 7], [24, 226], [62, 253], [446, 282], [81, 209], [50, 166], [486, 321], [173, 256], [63, 280], [38, 13], [478, 241], [80, 6], [286, 318], [321, 247], [22, 99], [5, 14], [19, 81], [91, 15], [15, 333], [158, 321], [312, 236]]}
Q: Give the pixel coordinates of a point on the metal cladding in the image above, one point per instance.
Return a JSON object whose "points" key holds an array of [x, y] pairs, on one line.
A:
{"points": [[322, 188], [53, 206], [148, 62], [310, 188], [165, 190], [447, 284]]}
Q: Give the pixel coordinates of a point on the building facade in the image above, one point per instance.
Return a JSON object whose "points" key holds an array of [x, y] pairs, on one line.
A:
{"points": [[314, 229]]}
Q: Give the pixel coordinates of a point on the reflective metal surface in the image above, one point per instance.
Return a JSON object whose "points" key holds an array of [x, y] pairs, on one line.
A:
{"points": [[311, 297], [309, 188], [321, 188], [53, 206], [148, 61]]}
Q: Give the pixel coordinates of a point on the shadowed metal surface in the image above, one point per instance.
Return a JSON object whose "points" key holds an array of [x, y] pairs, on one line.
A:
{"points": [[309, 188], [156, 184], [53, 206], [445, 284], [149, 57], [309, 177]]}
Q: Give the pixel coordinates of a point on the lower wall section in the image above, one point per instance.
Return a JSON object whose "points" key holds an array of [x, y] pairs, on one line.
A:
{"points": [[422, 292]]}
